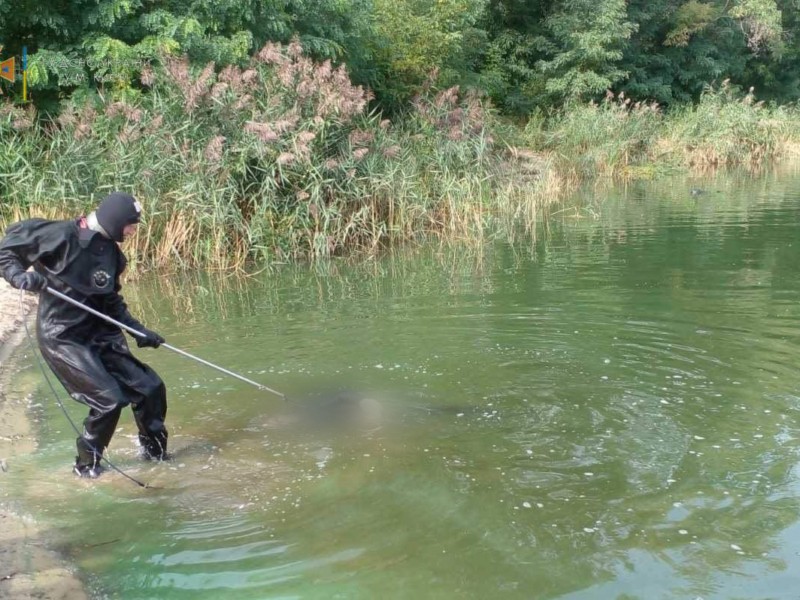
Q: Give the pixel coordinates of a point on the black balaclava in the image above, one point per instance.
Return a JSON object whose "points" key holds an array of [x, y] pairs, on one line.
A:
{"points": [[115, 212]]}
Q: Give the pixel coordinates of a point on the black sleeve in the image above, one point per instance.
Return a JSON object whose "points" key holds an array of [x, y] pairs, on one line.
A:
{"points": [[25, 243], [115, 306]]}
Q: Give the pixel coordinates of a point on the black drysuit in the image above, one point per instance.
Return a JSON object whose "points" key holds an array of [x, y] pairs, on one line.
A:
{"points": [[88, 355]]}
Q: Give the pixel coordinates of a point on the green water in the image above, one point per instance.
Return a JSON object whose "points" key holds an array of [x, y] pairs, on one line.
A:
{"points": [[609, 410]]}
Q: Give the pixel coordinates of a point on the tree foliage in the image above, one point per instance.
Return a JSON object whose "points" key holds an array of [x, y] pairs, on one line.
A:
{"points": [[582, 43], [415, 38], [540, 53], [526, 54], [107, 42]]}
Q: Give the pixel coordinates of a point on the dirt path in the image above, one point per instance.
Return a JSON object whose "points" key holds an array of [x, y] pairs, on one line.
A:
{"points": [[28, 569]]}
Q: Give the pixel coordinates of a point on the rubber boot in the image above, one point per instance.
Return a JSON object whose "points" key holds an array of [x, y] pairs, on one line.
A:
{"points": [[87, 463], [154, 447]]}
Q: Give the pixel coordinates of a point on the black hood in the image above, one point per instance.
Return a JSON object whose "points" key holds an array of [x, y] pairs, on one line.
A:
{"points": [[115, 212]]}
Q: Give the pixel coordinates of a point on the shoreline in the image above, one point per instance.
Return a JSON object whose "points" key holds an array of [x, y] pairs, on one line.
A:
{"points": [[29, 569]]}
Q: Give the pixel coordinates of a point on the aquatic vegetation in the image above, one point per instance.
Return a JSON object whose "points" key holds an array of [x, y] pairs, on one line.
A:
{"points": [[282, 159], [621, 138], [278, 160]]}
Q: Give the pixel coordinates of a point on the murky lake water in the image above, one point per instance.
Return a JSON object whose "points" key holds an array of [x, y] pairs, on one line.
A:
{"points": [[610, 411]]}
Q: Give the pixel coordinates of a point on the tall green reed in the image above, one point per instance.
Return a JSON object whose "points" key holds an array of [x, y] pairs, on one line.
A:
{"points": [[278, 160], [620, 138]]}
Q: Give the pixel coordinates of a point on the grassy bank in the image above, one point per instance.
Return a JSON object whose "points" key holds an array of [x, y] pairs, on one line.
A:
{"points": [[282, 159]]}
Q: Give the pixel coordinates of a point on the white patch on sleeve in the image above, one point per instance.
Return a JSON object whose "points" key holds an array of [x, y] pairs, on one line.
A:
{"points": [[137, 206]]}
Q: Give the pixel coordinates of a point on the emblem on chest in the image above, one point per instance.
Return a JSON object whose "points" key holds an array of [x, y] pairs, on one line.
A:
{"points": [[101, 279]]}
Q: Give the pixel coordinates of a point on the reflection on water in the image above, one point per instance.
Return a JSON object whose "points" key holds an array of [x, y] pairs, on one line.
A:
{"points": [[609, 411]]}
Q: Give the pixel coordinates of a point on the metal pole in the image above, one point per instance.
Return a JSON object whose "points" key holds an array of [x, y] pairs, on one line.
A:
{"points": [[164, 345]]}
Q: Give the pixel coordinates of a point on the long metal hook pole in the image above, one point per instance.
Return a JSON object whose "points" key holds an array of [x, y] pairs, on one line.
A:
{"points": [[164, 345]]}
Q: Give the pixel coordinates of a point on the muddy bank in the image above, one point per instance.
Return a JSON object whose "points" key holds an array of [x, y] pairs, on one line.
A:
{"points": [[11, 313], [28, 569]]}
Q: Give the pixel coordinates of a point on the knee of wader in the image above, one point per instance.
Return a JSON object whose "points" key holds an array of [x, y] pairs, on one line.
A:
{"points": [[102, 404], [156, 388]]}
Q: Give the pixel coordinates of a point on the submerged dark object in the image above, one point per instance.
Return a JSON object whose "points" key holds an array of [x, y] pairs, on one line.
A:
{"points": [[338, 408], [330, 410]]}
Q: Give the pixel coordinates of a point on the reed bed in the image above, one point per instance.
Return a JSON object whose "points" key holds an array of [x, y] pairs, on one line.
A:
{"points": [[276, 161], [619, 138], [281, 159]]}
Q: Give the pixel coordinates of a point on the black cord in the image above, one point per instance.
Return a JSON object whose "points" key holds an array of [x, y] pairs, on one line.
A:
{"points": [[61, 404]]}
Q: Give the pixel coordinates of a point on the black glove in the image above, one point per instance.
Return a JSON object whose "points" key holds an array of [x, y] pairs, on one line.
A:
{"points": [[30, 281], [150, 340]]}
